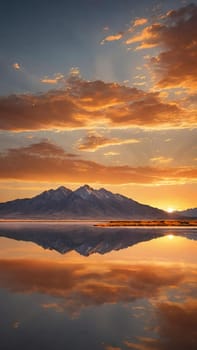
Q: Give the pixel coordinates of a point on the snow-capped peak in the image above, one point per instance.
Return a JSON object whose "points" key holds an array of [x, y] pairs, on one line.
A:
{"points": [[84, 191], [58, 194]]}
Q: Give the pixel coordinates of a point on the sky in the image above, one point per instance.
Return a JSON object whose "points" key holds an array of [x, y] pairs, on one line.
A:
{"points": [[99, 92]]}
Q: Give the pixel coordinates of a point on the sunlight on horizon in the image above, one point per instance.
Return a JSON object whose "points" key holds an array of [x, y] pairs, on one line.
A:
{"points": [[170, 236], [170, 210]]}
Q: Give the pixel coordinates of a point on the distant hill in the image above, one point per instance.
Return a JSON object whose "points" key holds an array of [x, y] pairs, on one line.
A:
{"points": [[190, 213], [83, 203]]}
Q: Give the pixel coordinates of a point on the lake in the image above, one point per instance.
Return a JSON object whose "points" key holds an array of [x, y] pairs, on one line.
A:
{"points": [[77, 286]]}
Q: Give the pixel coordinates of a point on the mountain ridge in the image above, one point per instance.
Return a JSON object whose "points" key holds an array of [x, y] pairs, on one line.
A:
{"points": [[83, 203]]}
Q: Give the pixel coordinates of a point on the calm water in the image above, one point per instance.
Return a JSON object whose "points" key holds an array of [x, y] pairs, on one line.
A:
{"points": [[66, 286]]}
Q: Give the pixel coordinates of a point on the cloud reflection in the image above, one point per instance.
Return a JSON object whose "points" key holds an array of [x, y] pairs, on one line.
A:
{"points": [[176, 328], [79, 285]]}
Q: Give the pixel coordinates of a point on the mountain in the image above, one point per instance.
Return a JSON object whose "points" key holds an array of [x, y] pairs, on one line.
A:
{"points": [[190, 213], [83, 203]]}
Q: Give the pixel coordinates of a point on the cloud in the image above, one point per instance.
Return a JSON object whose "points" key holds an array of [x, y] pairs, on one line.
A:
{"points": [[140, 21], [113, 37], [16, 66], [150, 111], [161, 159], [93, 141], [148, 37], [141, 83], [47, 111], [109, 154], [47, 80], [57, 78], [75, 72], [83, 104], [176, 36], [46, 161]]}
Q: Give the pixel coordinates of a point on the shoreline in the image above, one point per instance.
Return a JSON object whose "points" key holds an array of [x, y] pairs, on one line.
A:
{"points": [[149, 223], [112, 223]]}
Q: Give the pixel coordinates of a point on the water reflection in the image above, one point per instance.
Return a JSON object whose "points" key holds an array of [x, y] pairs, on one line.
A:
{"points": [[143, 297], [87, 239], [80, 285], [176, 328]]}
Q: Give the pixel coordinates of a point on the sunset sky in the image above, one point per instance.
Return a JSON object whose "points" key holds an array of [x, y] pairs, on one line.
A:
{"points": [[101, 92]]}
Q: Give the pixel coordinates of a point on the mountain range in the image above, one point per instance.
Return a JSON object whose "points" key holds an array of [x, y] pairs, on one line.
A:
{"points": [[83, 203]]}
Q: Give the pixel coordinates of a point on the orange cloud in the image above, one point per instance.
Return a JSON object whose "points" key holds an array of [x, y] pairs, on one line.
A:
{"points": [[45, 161], [148, 35], [16, 66], [150, 111], [139, 22], [176, 35], [113, 37], [54, 80], [93, 141], [49, 81], [91, 103]]}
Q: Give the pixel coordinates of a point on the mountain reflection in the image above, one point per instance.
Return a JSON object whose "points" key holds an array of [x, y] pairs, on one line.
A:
{"points": [[85, 239]]}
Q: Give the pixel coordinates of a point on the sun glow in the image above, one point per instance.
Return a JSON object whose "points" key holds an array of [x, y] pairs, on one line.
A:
{"points": [[170, 210], [170, 236]]}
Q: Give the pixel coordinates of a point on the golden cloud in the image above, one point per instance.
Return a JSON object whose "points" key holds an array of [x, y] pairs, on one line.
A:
{"points": [[47, 80], [92, 103], [94, 141], [113, 37], [176, 35], [147, 34], [140, 22], [46, 161], [57, 78]]}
